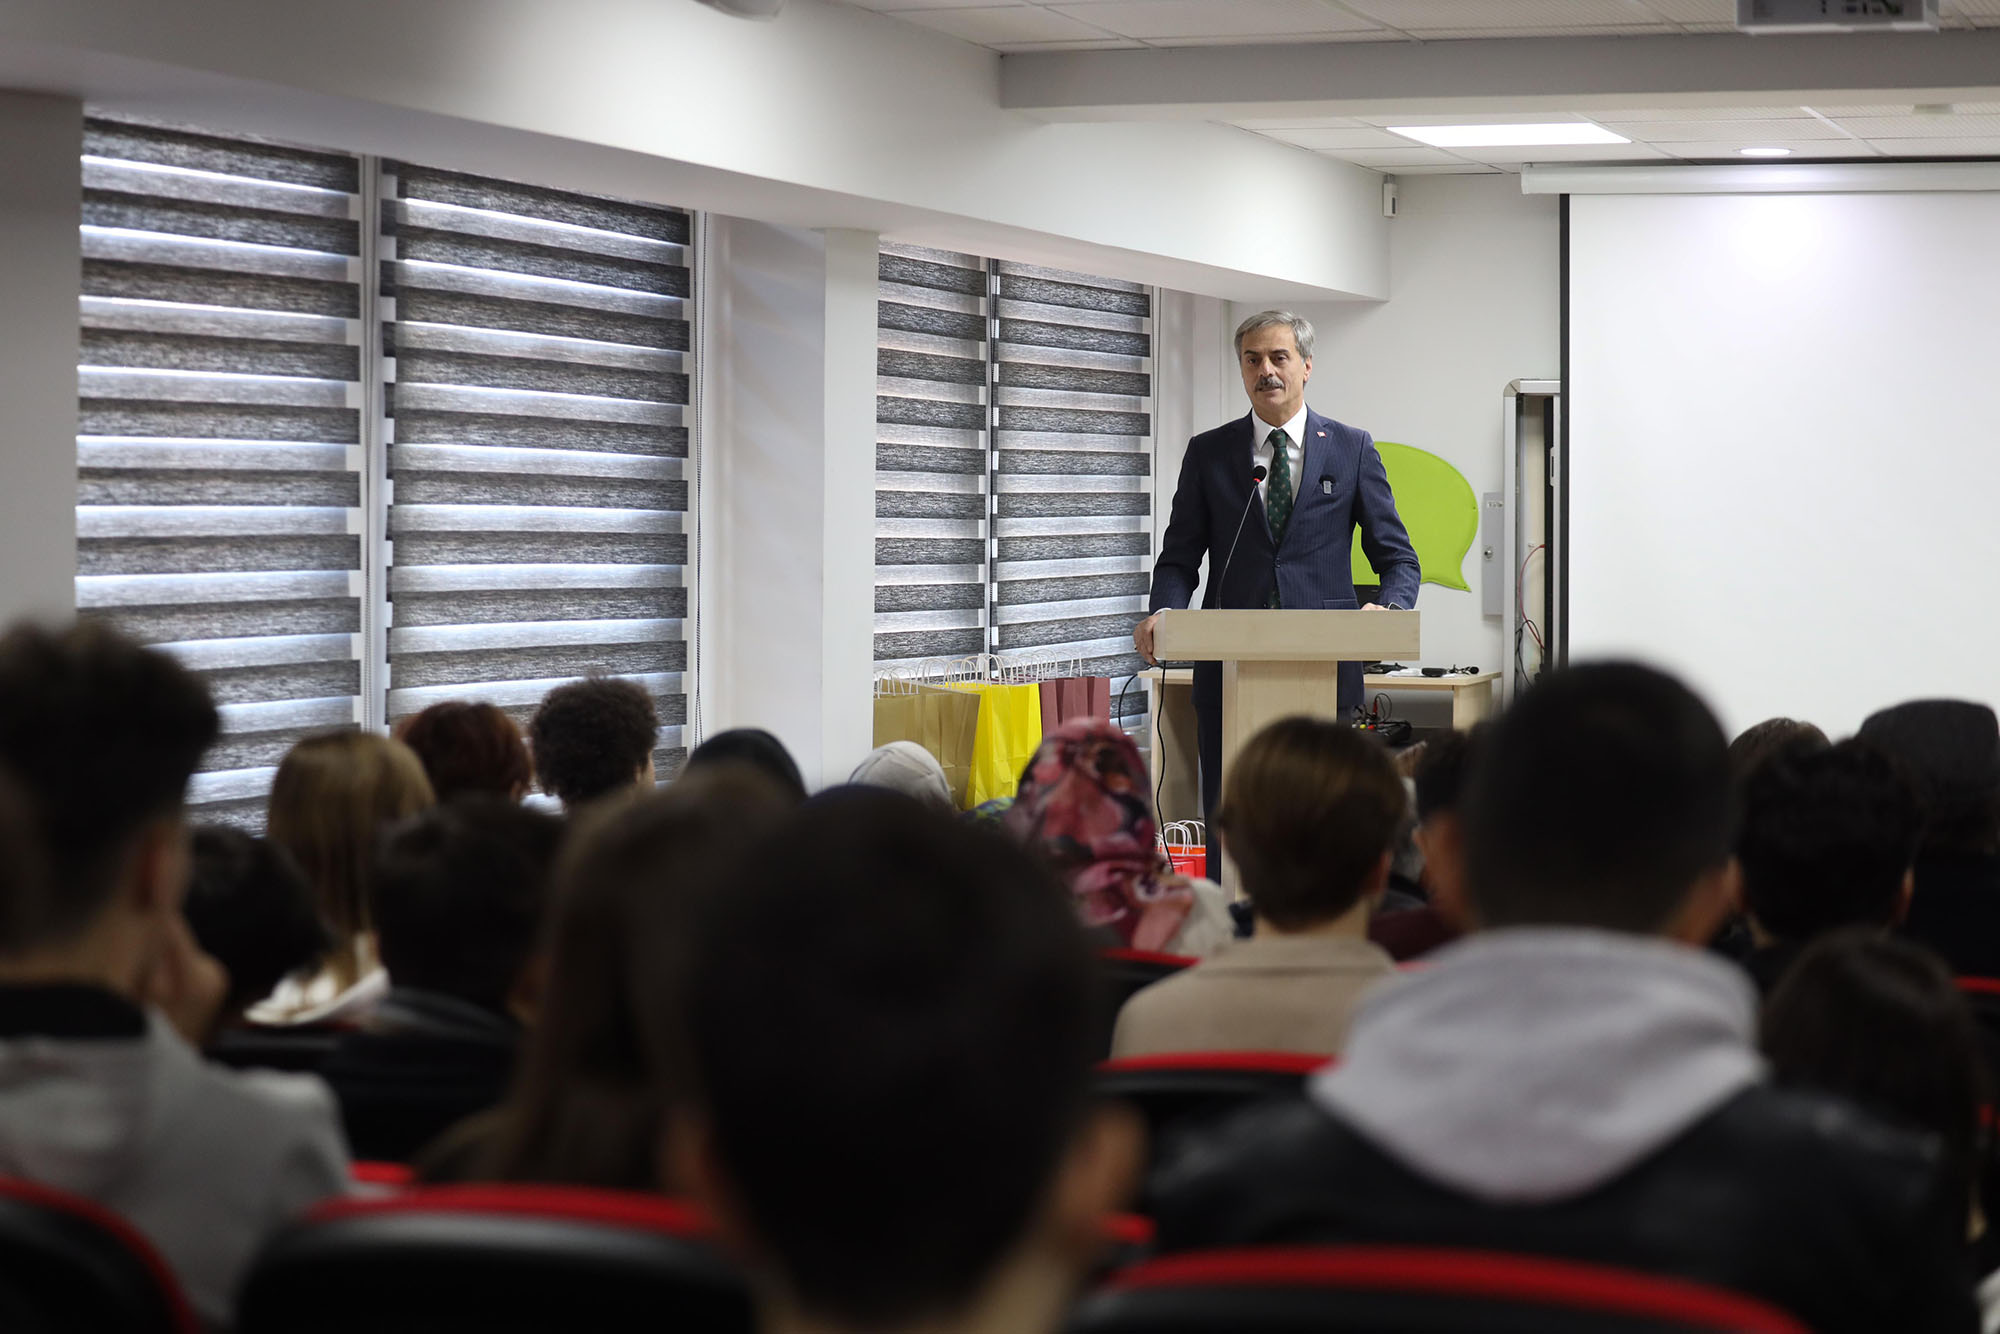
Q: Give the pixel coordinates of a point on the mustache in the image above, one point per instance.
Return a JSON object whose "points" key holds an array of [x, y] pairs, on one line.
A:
{"points": [[1270, 382]]}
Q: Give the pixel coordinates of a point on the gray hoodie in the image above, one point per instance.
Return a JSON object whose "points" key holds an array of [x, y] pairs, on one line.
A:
{"points": [[205, 1161], [1531, 1065]]}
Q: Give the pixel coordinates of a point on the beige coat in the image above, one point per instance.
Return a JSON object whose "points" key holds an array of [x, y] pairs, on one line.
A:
{"points": [[1268, 993]]}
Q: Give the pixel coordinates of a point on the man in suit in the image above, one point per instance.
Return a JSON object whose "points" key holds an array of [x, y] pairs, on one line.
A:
{"points": [[1285, 541]]}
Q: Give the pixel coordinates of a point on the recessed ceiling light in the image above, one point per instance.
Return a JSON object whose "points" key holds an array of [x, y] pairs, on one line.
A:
{"points": [[1508, 136], [1765, 152]]}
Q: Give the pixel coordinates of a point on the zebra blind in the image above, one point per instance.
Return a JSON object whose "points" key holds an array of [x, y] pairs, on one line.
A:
{"points": [[218, 449], [931, 455], [538, 346], [1073, 461]]}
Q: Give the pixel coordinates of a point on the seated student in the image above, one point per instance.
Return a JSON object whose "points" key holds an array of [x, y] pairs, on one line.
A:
{"points": [[469, 746], [594, 739], [251, 909], [458, 898], [906, 767], [893, 1026], [605, 1062], [1951, 750], [100, 1095], [758, 749], [1575, 1079], [1310, 813], [330, 801], [1827, 841], [1439, 789], [1085, 808], [1760, 741]]}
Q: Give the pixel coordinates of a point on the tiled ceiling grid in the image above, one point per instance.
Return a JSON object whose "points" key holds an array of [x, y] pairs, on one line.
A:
{"points": [[1084, 25], [1710, 134]]}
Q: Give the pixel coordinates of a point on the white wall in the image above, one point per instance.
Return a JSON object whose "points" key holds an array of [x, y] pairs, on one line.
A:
{"points": [[1196, 389], [830, 116], [788, 501], [1473, 304], [41, 198]]}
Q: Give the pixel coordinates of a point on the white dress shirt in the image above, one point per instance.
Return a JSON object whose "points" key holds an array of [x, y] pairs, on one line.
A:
{"points": [[1295, 449]]}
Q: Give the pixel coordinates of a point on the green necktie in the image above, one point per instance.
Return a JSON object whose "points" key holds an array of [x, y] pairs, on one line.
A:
{"points": [[1278, 495]]}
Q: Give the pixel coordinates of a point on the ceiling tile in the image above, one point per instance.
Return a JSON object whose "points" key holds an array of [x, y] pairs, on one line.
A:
{"points": [[1590, 30], [1930, 148], [1801, 148], [1973, 9], [1298, 123], [994, 24], [1262, 39], [1447, 169], [1084, 44], [1838, 113], [1336, 140], [1413, 156], [1629, 116], [1921, 127], [904, 6], [1485, 16], [1477, 118], [1562, 153], [1725, 131], [1203, 18]]}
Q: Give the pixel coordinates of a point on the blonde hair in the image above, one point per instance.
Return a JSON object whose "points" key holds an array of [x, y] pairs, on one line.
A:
{"points": [[330, 800]]}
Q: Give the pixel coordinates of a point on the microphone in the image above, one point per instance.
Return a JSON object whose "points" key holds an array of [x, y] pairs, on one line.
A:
{"points": [[1256, 476]]}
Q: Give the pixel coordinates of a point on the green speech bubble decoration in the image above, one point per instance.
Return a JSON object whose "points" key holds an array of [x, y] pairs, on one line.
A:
{"points": [[1439, 509]]}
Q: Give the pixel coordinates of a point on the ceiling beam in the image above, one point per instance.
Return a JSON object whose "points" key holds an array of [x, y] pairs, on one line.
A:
{"points": [[1525, 74]]}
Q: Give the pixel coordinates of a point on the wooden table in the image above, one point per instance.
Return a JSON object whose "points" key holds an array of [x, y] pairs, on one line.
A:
{"points": [[1471, 696]]}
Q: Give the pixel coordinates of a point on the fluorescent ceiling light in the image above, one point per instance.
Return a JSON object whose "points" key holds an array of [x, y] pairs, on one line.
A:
{"points": [[1507, 136], [1765, 152]]}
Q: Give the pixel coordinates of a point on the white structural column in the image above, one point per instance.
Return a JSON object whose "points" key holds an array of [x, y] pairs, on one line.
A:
{"points": [[41, 199], [788, 496]]}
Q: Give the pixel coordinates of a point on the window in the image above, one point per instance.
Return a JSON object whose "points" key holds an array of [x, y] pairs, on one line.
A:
{"points": [[1013, 504], [358, 436]]}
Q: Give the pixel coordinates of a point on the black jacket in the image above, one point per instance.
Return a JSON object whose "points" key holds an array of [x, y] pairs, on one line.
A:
{"points": [[424, 1063], [1956, 911], [1796, 1199]]}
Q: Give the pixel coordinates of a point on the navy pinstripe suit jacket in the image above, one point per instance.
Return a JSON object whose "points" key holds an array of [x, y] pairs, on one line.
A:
{"points": [[1341, 486]]}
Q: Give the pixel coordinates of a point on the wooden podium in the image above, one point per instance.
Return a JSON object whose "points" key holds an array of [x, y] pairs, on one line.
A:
{"points": [[1278, 663]]}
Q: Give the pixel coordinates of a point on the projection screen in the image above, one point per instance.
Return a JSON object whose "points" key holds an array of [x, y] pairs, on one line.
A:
{"points": [[1784, 462]]}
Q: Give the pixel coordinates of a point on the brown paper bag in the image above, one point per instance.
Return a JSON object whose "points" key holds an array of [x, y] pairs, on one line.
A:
{"points": [[943, 722]]}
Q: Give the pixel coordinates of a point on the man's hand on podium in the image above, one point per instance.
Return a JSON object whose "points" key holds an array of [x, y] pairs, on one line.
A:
{"points": [[1375, 606], [1142, 638]]}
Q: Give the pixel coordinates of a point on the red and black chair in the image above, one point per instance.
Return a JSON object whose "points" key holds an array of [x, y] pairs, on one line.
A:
{"points": [[1408, 1290], [1122, 972], [301, 1048], [70, 1266], [1177, 1090], [498, 1259]]}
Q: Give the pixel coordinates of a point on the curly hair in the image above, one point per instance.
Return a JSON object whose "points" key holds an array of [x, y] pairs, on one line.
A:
{"points": [[592, 737], [469, 746]]}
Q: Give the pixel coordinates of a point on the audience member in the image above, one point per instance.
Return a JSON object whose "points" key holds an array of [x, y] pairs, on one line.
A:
{"points": [[1573, 1079], [758, 749], [893, 1022], [1760, 741], [1438, 789], [605, 1061], [906, 767], [251, 909], [1084, 806], [469, 746], [1310, 812], [100, 980], [1951, 750], [1828, 838], [458, 900], [330, 801], [1880, 1021], [593, 739]]}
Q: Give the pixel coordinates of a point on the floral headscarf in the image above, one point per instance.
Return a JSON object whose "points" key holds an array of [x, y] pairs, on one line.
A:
{"points": [[1083, 805]]}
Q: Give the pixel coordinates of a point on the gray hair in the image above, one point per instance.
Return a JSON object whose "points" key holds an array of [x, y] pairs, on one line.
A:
{"points": [[1301, 327]]}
